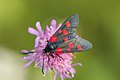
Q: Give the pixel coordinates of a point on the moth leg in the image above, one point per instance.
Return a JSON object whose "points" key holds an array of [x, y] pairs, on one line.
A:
{"points": [[48, 58], [59, 56], [51, 55]]}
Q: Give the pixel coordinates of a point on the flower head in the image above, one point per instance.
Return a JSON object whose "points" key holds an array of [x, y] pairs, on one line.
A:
{"points": [[61, 64]]}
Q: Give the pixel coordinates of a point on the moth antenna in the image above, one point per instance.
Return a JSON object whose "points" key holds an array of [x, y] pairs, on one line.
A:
{"points": [[43, 64], [27, 52]]}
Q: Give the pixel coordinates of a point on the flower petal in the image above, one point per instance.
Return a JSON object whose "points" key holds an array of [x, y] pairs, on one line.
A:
{"points": [[55, 76], [24, 51], [62, 76], [72, 70], [59, 26], [33, 31], [53, 23], [37, 40], [67, 75], [47, 28], [77, 64], [38, 26], [27, 58], [26, 65]]}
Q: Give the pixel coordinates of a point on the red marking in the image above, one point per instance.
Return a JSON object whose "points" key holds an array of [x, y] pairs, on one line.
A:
{"points": [[65, 39], [60, 31], [53, 38], [67, 24], [65, 32], [79, 47], [69, 49], [58, 51], [70, 44]]}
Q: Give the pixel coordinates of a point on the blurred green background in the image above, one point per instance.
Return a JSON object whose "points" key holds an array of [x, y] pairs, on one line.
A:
{"points": [[99, 23]]}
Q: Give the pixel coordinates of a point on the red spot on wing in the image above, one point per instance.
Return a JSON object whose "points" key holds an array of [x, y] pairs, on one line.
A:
{"points": [[53, 38], [79, 47], [69, 49], [60, 31], [58, 51], [65, 39], [65, 32], [70, 44], [67, 24]]}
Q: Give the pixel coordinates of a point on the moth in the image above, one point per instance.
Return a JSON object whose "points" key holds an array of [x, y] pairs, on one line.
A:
{"points": [[64, 40]]}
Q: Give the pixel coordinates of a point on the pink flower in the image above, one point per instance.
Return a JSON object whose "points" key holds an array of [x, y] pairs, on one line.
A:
{"points": [[61, 64]]}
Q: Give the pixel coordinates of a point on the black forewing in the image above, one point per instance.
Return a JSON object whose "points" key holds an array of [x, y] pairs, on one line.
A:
{"points": [[66, 30]]}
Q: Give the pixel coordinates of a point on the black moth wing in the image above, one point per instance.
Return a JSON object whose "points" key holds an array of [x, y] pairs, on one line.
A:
{"points": [[66, 31], [76, 44], [67, 40]]}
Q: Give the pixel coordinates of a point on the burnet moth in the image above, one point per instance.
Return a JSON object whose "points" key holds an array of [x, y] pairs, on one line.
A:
{"points": [[65, 40]]}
